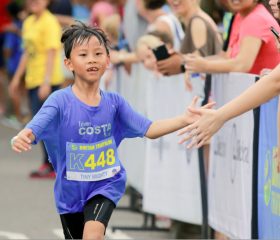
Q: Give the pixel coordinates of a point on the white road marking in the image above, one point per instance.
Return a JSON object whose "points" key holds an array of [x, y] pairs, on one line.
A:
{"points": [[13, 235], [58, 232], [116, 234]]}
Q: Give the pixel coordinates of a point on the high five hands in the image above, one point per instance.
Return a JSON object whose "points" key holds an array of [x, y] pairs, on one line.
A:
{"points": [[200, 131]]}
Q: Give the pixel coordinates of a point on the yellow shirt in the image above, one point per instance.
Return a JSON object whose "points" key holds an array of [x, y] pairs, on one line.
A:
{"points": [[39, 36]]}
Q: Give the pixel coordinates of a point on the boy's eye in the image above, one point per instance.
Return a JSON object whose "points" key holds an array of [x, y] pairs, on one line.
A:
{"points": [[99, 53], [82, 54]]}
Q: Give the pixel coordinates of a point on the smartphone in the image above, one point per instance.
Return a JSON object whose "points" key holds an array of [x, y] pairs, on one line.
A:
{"points": [[276, 34], [161, 52]]}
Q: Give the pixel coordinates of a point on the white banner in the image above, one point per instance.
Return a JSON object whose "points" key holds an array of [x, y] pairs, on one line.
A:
{"points": [[132, 151], [230, 172], [172, 185]]}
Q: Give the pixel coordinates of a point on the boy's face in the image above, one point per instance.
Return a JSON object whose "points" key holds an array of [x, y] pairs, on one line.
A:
{"points": [[88, 60]]}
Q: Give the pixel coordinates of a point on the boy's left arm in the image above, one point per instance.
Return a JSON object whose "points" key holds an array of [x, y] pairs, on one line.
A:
{"points": [[162, 127]]}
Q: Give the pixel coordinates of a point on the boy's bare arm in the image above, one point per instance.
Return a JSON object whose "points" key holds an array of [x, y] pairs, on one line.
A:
{"points": [[162, 127]]}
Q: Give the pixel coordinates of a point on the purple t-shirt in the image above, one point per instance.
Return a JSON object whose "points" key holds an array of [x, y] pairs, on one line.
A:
{"points": [[82, 142]]}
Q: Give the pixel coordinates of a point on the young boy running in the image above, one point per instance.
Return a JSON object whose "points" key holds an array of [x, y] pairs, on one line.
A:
{"points": [[82, 126]]}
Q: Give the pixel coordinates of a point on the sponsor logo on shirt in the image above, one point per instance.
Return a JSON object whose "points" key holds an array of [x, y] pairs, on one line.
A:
{"points": [[86, 128]]}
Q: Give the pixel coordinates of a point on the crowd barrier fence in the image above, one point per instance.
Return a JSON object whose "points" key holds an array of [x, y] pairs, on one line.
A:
{"points": [[243, 185]]}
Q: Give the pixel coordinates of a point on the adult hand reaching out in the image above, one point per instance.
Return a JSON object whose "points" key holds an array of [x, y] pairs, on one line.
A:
{"points": [[195, 63], [200, 132], [192, 112]]}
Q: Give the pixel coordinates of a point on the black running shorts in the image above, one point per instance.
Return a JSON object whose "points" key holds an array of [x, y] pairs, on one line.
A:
{"points": [[98, 208]]}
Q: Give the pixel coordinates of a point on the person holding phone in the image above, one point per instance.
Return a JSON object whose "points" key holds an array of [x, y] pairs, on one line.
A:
{"points": [[201, 36], [157, 21], [151, 47]]}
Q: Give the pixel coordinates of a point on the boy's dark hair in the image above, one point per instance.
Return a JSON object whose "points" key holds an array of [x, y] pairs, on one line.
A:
{"points": [[80, 32], [154, 4]]}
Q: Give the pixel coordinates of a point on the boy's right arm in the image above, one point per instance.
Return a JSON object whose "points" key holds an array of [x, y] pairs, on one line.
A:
{"points": [[22, 141]]}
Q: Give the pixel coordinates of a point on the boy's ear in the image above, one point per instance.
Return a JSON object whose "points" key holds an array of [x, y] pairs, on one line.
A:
{"points": [[68, 64]]}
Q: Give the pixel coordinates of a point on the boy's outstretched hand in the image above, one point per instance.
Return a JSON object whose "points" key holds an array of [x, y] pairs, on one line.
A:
{"points": [[22, 141]]}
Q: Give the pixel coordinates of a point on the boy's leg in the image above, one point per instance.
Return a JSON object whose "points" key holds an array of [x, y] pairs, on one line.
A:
{"points": [[97, 213], [94, 230], [73, 225]]}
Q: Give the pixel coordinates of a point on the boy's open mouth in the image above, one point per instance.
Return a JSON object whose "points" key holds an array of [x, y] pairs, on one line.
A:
{"points": [[92, 69]]}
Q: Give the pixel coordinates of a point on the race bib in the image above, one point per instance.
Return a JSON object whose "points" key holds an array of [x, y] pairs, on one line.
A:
{"points": [[92, 161]]}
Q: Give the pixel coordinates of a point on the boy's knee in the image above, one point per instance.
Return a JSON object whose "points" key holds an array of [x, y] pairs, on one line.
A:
{"points": [[93, 230], [93, 236]]}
